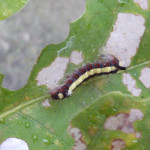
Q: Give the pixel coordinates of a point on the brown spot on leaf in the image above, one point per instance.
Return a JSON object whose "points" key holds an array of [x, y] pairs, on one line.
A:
{"points": [[138, 135], [131, 84], [145, 77], [92, 130], [76, 57], [142, 3], [124, 122], [117, 144], [135, 114], [27, 98], [119, 122], [46, 103], [76, 134]]}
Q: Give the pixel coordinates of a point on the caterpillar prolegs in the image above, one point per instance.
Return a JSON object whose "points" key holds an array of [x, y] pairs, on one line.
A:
{"points": [[107, 64]]}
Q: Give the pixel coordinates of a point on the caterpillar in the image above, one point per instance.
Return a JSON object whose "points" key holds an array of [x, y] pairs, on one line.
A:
{"points": [[107, 64]]}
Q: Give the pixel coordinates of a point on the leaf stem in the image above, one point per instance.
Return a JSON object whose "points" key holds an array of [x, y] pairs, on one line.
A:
{"points": [[22, 106], [139, 65]]}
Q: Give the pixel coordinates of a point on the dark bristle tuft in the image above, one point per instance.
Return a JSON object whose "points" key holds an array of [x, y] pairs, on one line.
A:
{"points": [[75, 76], [54, 95], [97, 65], [88, 67], [122, 68], [82, 70]]}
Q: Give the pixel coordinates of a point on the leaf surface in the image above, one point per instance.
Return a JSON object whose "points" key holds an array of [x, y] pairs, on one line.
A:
{"points": [[22, 114], [9, 7]]}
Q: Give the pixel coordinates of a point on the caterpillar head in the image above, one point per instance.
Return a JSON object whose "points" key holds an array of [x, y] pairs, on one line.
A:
{"points": [[112, 59], [56, 95]]}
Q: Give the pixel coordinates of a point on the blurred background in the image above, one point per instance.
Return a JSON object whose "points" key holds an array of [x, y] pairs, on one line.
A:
{"points": [[25, 34]]}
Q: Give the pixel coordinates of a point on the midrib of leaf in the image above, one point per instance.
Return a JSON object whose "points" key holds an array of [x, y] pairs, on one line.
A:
{"points": [[139, 65], [15, 109]]}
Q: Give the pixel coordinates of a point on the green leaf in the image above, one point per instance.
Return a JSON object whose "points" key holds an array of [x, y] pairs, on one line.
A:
{"points": [[9, 7], [117, 109], [22, 114]]}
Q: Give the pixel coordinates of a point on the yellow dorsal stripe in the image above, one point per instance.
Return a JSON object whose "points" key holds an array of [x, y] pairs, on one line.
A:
{"points": [[88, 74]]}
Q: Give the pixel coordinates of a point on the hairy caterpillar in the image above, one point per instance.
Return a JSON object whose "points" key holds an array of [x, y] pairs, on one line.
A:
{"points": [[107, 64]]}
